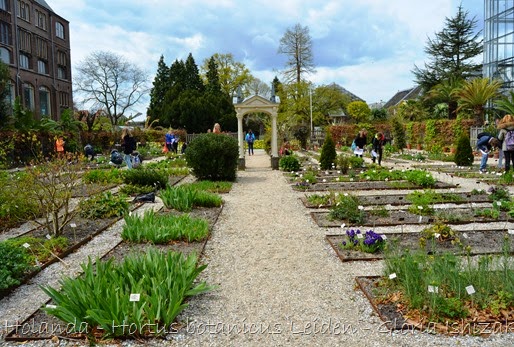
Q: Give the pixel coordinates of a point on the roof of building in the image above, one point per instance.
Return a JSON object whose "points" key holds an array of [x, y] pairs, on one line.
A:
{"points": [[44, 4], [407, 94]]}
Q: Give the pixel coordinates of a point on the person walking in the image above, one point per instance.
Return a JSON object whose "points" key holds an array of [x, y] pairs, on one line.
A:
{"points": [[59, 147], [250, 138], [500, 165], [129, 146], [506, 135], [377, 143], [168, 138]]}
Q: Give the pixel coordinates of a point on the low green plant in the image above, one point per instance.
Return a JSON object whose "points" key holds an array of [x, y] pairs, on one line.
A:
{"points": [[289, 163], [463, 152], [160, 229], [211, 186], [499, 193], [40, 249], [491, 213], [132, 190], [179, 198], [347, 208], [143, 176], [15, 263], [356, 162], [440, 232], [420, 178], [102, 296], [104, 176], [104, 205], [379, 211], [343, 163], [321, 199]]}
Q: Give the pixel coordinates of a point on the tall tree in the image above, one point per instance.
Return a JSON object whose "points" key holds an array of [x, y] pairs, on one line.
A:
{"points": [[258, 87], [452, 52], [110, 82], [192, 79], [232, 74], [445, 92], [296, 45], [158, 91]]}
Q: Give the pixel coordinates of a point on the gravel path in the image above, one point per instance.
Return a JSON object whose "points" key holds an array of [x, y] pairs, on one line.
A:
{"points": [[279, 283]]}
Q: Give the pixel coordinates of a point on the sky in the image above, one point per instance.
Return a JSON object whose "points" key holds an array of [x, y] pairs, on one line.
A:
{"points": [[369, 47]]}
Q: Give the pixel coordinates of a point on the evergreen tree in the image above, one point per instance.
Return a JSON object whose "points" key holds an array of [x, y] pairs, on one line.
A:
{"points": [[328, 153], [5, 116], [192, 79], [452, 52], [463, 151], [213, 80], [158, 92]]}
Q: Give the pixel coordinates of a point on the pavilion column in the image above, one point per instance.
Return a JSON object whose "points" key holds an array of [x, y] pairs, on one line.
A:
{"points": [[240, 139], [274, 147]]}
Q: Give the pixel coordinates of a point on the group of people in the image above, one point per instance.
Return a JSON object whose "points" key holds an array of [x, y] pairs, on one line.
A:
{"points": [[377, 144], [171, 142], [503, 141]]}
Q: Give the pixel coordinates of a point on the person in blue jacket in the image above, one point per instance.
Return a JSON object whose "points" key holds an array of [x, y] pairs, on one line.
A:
{"points": [[169, 138], [250, 138], [485, 144]]}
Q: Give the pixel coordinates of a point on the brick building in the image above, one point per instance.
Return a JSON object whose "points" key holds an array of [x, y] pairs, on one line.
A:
{"points": [[35, 43]]}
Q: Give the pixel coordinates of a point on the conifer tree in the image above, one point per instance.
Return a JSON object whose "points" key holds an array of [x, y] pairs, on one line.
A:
{"points": [[328, 153], [159, 89], [451, 52]]}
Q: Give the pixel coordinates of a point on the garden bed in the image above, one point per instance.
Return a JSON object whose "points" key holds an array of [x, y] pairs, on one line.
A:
{"points": [[368, 185], [400, 199], [399, 217], [479, 241], [391, 314]]}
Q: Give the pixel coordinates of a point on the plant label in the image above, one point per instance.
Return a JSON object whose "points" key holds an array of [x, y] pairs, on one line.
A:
{"points": [[392, 276], [26, 245], [73, 225], [52, 307], [433, 289], [48, 236], [437, 235], [420, 219], [511, 231], [384, 237], [134, 297], [359, 236], [464, 235], [470, 290], [343, 225]]}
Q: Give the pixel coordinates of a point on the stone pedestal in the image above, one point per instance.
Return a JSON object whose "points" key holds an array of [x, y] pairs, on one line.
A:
{"points": [[241, 164], [274, 163]]}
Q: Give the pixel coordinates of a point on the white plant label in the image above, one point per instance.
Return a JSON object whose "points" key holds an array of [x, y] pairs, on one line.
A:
{"points": [[134, 297], [359, 236], [26, 245], [73, 225], [437, 235], [384, 237], [420, 219], [392, 276], [48, 236], [343, 225], [511, 231], [464, 235], [53, 307], [433, 289], [470, 290]]}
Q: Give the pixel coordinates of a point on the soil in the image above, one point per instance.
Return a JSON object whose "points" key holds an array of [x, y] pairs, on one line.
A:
{"points": [[400, 199], [480, 241], [399, 217]]}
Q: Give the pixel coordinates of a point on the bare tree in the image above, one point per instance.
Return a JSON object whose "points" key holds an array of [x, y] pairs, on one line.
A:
{"points": [[111, 83], [296, 44], [257, 87]]}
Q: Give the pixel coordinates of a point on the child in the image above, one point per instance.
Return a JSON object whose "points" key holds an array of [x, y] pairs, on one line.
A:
{"points": [[59, 147]]}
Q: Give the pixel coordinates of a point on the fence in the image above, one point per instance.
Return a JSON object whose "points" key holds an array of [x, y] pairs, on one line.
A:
{"points": [[190, 137], [473, 133]]}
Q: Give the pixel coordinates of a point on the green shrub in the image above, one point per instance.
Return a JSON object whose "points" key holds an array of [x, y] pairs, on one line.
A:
{"points": [[328, 153], [347, 208], [14, 264], [104, 205], [163, 281], [464, 152], [356, 162], [41, 249], [344, 163], [143, 176], [132, 190], [159, 229], [289, 163], [213, 157]]}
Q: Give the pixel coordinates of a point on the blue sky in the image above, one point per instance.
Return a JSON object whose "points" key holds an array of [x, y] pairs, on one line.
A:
{"points": [[367, 46]]}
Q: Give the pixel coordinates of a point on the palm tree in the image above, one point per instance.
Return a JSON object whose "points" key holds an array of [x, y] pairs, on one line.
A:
{"points": [[444, 92], [475, 94], [506, 104]]}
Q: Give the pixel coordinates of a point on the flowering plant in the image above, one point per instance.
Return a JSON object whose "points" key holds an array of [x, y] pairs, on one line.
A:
{"points": [[368, 242]]}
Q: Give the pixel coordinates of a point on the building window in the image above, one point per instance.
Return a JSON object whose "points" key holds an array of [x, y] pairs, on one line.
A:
{"points": [[11, 95], [61, 72], [64, 99], [41, 67], [4, 5], [59, 30], [62, 63], [5, 55], [24, 10], [41, 48], [24, 61], [40, 20], [44, 101], [5, 33], [25, 39], [28, 96]]}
